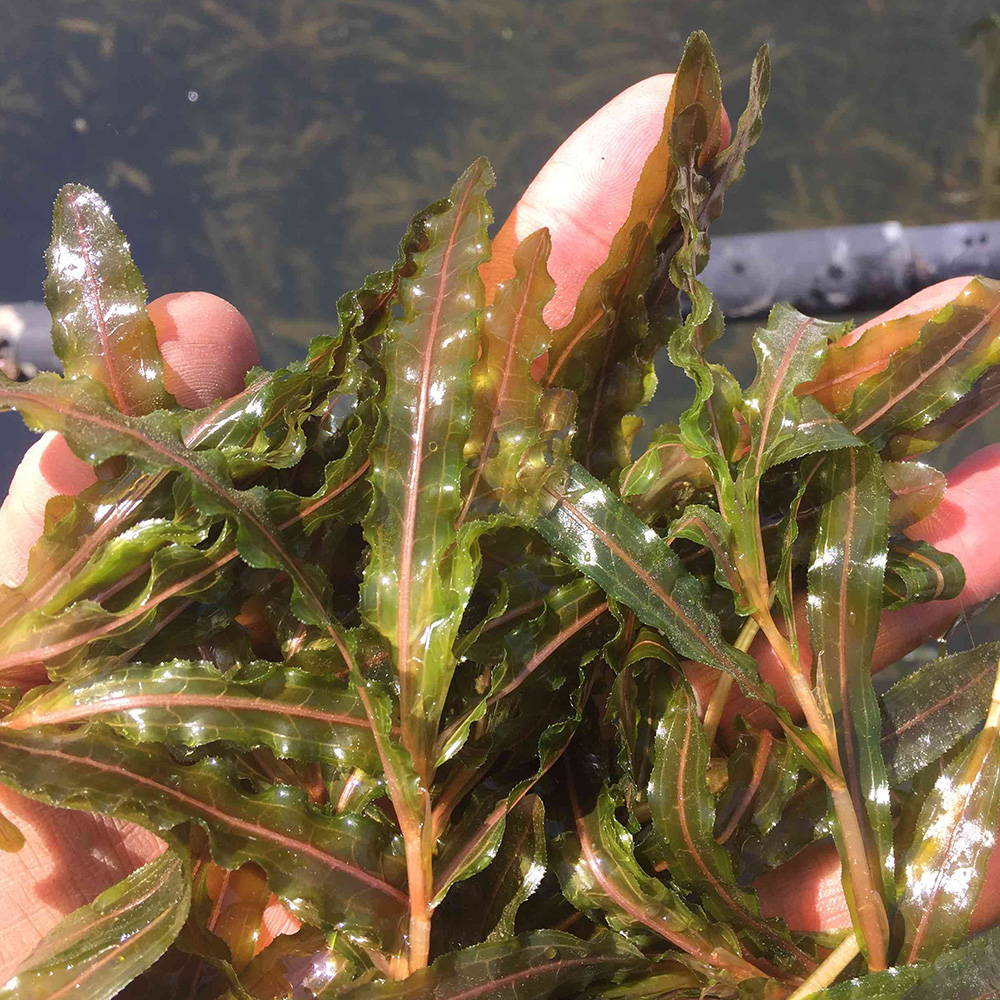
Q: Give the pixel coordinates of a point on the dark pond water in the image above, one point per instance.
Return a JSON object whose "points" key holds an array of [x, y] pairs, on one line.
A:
{"points": [[272, 150]]}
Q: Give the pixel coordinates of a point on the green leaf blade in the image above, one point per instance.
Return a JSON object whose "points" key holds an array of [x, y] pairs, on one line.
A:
{"points": [[601, 536], [97, 299], [412, 594], [101, 947], [300, 716], [332, 871], [843, 609]]}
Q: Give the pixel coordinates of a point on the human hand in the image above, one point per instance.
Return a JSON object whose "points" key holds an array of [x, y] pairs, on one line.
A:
{"points": [[582, 195]]}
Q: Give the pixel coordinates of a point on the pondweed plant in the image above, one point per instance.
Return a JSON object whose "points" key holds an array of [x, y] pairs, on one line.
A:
{"points": [[399, 633]]}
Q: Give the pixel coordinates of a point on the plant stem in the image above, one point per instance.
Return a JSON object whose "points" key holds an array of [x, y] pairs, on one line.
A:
{"points": [[720, 693], [831, 967], [869, 907]]}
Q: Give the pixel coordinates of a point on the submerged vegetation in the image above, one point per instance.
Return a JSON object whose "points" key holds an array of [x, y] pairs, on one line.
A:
{"points": [[405, 635], [233, 115]]}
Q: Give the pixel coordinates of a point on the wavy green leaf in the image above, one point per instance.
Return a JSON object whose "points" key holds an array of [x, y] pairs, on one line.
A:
{"points": [[925, 379], [335, 871], [97, 298], [843, 609], [980, 400], [916, 490], [605, 352], [969, 972], [916, 572], [531, 967], [945, 868], [101, 947], [483, 908], [599, 875], [296, 715], [419, 573], [510, 448], [931, 710], [683, 813], [96, 432], [601, 536]]}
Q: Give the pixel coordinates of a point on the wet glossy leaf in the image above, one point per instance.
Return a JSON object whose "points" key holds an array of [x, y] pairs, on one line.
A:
{"points": [[683, 812], [944, 870], [510, 449], [605, 352], [294, 963], [783, 425], [96, 431], [969, 972], [531, 967], [97, 298], [99, 948], [916, 490], [484, 907], [917, 572], [331, 870], [981, 399], [954, 348], [603, 538], [419, 574], [297, 715], [931, 710], [600, 876], [843, 607]]}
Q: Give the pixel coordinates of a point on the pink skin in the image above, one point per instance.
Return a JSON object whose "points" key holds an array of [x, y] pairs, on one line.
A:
{"points": [[582, 195]]}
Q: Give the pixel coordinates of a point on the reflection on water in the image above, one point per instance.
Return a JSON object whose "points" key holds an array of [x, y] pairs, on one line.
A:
{"points": [[272, 150]]}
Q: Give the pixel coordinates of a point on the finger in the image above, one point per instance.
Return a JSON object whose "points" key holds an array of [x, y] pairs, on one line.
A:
{"points": [[68, 858], [207, 349], [808, 894], [583, 193], [206, 344]]}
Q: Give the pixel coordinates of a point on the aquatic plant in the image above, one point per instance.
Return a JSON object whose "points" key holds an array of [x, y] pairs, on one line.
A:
{"points": [[405, 636]]}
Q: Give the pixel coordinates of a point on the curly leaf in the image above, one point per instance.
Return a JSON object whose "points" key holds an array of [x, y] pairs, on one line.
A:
{"points": [[784, 426], [101, 947], [916, 491], [981, 399], [969, 972], [509, 447], [96, 431], [530, 967], [601, 536], [97, 298], [416, 583], [600, 875], [930, 711], [925, 379], [916, 572], [300, 716], [683, 813], [604, 353], [843, 609], [483, 908], [334, 871], [944, 871]]}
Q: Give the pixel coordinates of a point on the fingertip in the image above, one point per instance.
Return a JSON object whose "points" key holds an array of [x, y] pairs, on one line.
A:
{"points": [[49, 468], [207, 346], [584, 191]]}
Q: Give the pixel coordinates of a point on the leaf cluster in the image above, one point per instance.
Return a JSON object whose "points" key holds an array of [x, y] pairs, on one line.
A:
{"points": [[406, 638]]}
